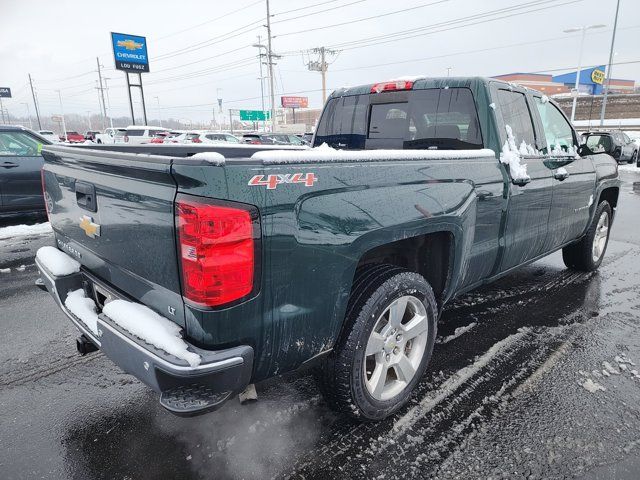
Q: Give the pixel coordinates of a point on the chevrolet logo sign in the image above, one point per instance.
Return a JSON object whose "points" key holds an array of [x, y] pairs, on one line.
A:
{"points": [[130, 44], [90, 229]]}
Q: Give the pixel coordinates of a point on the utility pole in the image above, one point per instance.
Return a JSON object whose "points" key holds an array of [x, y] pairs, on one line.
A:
{"points": [[270, 62], [260, 55], [606, 90], [64, 125], [321, 65], [35, 103], [106, 87], [104, 105], [449, 71]]}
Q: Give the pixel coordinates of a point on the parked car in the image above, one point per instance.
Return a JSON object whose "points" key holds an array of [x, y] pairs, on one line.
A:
{"points": [[617, 143], [265, 261], [219, 137], [159, 137], [49, 135], [285, 139], [91, 135], [72, 137], [139, 134], [20, 166], [111, 135], [257, 139]]}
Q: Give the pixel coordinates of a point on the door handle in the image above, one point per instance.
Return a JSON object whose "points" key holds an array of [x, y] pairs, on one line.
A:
{"points": [[9, 165], [561, 176]]}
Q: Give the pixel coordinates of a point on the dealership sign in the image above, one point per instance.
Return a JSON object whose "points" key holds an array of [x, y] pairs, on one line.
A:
{"points": [[597, 76], [5, 92], [294, 102], [130, 52]]}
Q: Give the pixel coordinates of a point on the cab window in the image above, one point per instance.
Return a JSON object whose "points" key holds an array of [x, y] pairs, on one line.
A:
{"points": [[557, 130]]}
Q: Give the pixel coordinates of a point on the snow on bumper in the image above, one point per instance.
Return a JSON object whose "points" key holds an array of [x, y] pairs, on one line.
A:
{"points": [[177, 364]]}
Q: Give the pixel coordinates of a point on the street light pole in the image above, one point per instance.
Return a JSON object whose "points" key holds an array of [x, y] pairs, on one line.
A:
{"points": [[270, 64], [260, 47], [28, 114], [159, 111], [64, 125], [606, 90], [582, 29]]}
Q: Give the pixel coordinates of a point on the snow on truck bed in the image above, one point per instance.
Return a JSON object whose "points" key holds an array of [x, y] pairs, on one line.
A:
{"points": [[326, 154]]}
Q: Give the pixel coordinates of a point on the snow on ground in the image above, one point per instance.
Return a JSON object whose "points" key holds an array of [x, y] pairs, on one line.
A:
{"points": [[84, 308], [591, 386], [57, 262], [22, 230], [324, 153], [629, 167], [150, 327]]}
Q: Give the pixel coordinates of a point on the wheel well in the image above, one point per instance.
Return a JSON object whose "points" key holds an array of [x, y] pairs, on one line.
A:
{"points": [[610, 195], [429, 255]]}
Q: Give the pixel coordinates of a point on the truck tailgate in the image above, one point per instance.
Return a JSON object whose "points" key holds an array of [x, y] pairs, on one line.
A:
{"points": [[114, 213]]}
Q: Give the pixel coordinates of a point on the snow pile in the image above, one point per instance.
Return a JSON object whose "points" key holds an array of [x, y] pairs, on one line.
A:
{"points": [[511, 156], [150, 327], [84, 308], [57, 262], [213, 158], [563, 171], [22, 230], [631, 167], [458, 331], [591, 386], [327, 154]]}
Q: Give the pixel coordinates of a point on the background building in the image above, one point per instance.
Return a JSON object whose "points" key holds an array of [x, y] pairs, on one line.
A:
{"points": [[538, 81]]}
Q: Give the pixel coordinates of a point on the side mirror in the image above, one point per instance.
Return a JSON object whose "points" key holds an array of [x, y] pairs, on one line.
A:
{"points": [[583, 150]]}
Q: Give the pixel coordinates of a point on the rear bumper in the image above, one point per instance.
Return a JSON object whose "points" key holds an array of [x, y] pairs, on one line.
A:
{"points": [[220, 374]]}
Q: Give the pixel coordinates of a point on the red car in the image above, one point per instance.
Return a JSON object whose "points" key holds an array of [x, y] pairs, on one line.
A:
{"points": [[73, 137], [159, 137]]}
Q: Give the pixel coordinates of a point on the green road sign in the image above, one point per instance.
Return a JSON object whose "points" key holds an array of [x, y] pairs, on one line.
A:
{"points": [[254, 115]]}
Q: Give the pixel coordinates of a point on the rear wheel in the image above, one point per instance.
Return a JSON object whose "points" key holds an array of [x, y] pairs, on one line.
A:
{"points": [[587, 254], [386, 346], [634, 158]]}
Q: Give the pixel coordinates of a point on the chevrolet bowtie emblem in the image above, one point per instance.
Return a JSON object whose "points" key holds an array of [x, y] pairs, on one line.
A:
{"points": [[130, 44], [90, 229]]}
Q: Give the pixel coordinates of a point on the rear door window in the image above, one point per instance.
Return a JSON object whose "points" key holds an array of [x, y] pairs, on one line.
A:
{"points": [[516, 114], [18, 144], [135, 133]]}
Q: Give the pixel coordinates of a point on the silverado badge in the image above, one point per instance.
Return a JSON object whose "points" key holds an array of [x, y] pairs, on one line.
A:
{"points": [[90, 229]]}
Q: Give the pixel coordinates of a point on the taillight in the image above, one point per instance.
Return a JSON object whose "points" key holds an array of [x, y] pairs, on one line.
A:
{"points": [[218, 250], [44, 194], [126, 138], [255, 142], [392, 86], [196, 140]]}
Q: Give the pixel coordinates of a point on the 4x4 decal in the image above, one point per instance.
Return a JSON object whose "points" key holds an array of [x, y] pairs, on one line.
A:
{"points": [[272, 181]]}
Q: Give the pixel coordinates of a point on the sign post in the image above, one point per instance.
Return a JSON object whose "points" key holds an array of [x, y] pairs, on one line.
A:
{"points": [[130, 56], [5, 92]]}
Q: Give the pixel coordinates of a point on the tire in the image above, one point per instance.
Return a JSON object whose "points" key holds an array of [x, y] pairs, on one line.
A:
{"points": [[402, 344], [634, 158], [585, 255]]}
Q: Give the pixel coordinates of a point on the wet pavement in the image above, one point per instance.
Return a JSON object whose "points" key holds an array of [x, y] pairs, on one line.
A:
{"points": [[534, 376]]}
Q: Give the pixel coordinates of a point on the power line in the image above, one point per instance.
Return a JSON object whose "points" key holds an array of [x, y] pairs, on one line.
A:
{"points": [[318, 12], [350, 22]]}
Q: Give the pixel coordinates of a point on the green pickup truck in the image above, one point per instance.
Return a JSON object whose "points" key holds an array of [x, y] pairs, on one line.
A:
{"points": [[204, 269]]}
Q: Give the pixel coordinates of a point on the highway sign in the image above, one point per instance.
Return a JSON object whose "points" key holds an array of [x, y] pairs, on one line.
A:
{"points": [[254, 115]]}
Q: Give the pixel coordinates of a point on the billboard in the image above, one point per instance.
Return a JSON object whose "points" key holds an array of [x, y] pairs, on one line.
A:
{"points": [[5, 92], [130, 52], [294, 102]]}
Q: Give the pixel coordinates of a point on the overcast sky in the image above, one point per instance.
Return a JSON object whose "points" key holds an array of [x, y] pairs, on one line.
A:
{"points": [[196, 47]]}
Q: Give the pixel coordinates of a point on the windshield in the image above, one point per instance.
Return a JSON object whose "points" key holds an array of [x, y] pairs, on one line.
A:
{"points": [[424, 119]]}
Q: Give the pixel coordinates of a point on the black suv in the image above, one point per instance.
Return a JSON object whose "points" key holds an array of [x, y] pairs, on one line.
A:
{"points": [[617, 144]]}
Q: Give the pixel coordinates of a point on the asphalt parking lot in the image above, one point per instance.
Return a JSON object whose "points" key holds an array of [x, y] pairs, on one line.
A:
{"points": [[535, 376]]}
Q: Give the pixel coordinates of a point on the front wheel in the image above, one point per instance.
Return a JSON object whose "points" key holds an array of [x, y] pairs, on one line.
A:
{"points": [[390, 330], [634, 158], [587, 254]]}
